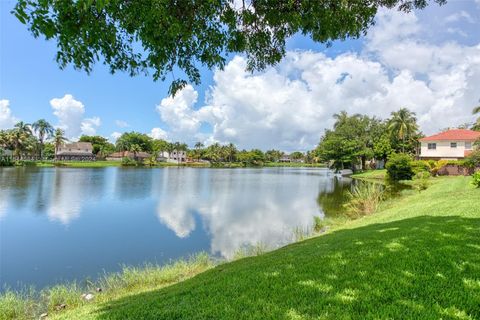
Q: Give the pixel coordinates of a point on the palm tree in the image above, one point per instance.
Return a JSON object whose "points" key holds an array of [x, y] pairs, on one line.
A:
{"points": [[44, 131], [231, 151], [340, 118], [23, 127], [476, 125], [135, 148], [199, 145], [58, 139], [403, 124]]}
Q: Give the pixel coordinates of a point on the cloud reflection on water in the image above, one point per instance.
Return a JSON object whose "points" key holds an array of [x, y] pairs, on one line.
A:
{"points": [[240, 208]]}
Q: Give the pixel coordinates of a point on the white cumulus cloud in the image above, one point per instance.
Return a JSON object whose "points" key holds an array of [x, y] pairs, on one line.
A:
{"points": [[121, 124], [158, 133], [70, 114], [289, 106], [178, 114], [115, 135], [7, 120]]}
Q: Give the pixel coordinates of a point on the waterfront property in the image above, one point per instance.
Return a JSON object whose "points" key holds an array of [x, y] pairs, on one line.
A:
{"points": [[118, 156], [177, 156], [77, 151], [448, 145]]}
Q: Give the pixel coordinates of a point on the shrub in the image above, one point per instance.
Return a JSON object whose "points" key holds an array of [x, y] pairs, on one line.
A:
{"points": [[318, 223], [6, 161], [129, 162], [25, 163], [150, 162], [476, 179], [399, 167], [421, 181], [473, 160], [420, 166], [364, 199]]}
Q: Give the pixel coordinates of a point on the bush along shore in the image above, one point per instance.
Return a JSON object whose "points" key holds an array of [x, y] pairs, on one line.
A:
{"points": [[413, 256], [132, 163]]}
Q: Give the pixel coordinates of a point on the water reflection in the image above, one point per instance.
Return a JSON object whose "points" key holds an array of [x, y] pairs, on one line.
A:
{"points": [[148, 215], [333, 195], [239, 207]]}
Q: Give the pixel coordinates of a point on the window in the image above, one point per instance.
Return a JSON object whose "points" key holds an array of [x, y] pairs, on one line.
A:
{"points": [[453, 144], [468, 145], [432, 146]]}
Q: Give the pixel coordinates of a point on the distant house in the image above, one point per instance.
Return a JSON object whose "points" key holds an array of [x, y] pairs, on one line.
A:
{"points": [[118, 156], [448, 145], [177, 156], [285, 158], [163, 156], [80, 151]]}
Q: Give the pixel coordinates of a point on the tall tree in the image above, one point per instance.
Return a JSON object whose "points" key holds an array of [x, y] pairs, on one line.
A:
{"points": [[127, 139], [403, 125], [476, 125], [44, 130], [23, 127], [135, 149], [58, 139], [101, 146], [161, 36], [340, 118]]}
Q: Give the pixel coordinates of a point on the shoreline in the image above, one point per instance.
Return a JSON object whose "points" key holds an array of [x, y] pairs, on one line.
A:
{"points": [[145, 281], [105, 164]]}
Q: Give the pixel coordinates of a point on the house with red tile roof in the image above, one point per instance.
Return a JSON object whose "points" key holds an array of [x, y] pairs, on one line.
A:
{"points": [[448, 145]]}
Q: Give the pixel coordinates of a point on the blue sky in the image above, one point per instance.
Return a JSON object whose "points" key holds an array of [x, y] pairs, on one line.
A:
{"points": [[299, 106]]}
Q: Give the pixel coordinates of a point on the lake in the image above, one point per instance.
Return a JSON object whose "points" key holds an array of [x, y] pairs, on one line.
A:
{"points": [[60, 224]]}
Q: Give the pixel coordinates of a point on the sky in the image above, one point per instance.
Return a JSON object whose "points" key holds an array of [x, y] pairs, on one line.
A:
{"points": [[427, 61]]}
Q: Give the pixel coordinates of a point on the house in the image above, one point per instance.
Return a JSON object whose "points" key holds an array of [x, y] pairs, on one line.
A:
{"points": [[448, 145], [285, 158], [80, 151], [163, 156], [118, 156], [177, 156]]}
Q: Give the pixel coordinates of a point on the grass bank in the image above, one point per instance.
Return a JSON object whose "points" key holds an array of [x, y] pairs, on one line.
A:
{"points": [[371, 174], [418, 257], [103, 164]]}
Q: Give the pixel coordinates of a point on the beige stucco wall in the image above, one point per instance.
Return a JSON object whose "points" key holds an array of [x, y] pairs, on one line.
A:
{"points": [[444, 150]]}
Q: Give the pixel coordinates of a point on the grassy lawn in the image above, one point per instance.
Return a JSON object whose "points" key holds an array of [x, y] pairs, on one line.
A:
{"points": [[417, 258], [371, 174], [294, 164]]}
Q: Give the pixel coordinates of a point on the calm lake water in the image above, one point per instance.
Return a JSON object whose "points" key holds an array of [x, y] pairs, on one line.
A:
{"points": [[59, 224]]}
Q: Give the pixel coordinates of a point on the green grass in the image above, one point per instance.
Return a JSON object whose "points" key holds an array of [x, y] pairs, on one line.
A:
{"points": [[29, 304], [371, 174], [294, 164], [418, 257]]}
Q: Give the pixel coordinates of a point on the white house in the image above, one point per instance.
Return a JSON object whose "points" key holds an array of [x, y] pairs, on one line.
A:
{"points": [[175, 156], [448, 145]]}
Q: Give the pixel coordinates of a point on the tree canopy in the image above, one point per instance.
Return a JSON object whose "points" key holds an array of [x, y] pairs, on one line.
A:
{"points": [[163, 36], [357, 138]]}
